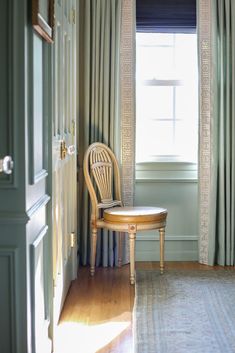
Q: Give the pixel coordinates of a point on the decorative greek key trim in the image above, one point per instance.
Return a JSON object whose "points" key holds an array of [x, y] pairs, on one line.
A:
{"points": [[204, 37], [127, 82], [128, 100]]}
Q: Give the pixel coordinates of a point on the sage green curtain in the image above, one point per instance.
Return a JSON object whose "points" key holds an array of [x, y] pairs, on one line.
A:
{"points": [[222, 213], [99, 105]]}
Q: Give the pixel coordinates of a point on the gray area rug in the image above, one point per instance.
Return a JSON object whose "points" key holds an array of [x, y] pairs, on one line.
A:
{"points": [[185, 311]]}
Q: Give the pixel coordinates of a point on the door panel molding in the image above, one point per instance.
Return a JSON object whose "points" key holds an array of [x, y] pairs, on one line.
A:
{"points": [[25, 240], [9, 290], [42, 202], [40, 293], [13, 218], [8, 109], [38, 135]]}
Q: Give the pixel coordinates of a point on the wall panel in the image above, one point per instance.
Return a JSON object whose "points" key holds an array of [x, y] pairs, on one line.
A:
{"points": [[180, 199], [8, 294]]}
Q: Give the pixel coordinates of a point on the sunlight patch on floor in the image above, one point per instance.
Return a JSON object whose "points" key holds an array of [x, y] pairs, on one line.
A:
{"points": [[75, 337]]}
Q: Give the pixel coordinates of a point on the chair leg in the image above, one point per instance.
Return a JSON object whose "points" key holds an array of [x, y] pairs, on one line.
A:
{"points": [[93, 250], [120, 242], [162, 241], [132, 237]]}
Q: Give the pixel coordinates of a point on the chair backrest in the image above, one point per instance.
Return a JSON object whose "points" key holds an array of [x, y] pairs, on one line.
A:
{"points": [[101, 173]]}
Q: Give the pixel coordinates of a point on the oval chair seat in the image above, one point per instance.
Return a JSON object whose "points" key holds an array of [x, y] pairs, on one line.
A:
{"points": [[135, 215]]}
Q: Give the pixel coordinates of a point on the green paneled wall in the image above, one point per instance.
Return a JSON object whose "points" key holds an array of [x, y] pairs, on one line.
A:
{"points": [[178, 192]]}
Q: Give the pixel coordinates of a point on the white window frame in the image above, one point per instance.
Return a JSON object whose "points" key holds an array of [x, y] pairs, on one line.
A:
{"points": [[166, 168]]}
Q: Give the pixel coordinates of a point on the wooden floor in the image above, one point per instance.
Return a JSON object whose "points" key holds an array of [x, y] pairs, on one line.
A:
{"points": [[97, 314]]}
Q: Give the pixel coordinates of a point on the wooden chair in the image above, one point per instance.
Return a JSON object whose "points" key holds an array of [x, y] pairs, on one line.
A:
{"points": [[102, 175]]}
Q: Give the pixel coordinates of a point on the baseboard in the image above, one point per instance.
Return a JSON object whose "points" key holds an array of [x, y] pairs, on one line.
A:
{"points": [[169, 237], [177, 247], [186, 255]]}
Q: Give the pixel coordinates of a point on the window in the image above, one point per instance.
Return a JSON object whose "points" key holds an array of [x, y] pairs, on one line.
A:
{"points": [[166, 97]]}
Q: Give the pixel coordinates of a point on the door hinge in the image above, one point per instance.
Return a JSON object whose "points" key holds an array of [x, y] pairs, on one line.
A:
{"points": [[73, 240], [63, 150], [73, 16]]}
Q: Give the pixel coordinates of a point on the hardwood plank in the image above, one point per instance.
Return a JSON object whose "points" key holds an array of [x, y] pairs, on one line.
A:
{"points": [[99, 309]]}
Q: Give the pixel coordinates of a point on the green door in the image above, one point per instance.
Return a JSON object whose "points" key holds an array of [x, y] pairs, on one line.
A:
{"points": [[30, 246]]}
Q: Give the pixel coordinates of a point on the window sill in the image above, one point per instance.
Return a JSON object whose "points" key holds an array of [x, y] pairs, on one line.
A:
{"points": [[166, 172], [166, 180]]}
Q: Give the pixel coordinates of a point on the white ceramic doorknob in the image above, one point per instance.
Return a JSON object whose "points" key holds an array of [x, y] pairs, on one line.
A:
{"points": [[6, 165]]}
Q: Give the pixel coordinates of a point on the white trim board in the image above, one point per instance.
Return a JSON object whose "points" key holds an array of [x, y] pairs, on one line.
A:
{"points": [[170, 237]]}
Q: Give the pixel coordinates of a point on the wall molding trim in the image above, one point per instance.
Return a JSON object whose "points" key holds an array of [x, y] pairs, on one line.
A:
{"points": [[40, 236], [40, 175], [43, 201], [166, 180], [170, 237]]}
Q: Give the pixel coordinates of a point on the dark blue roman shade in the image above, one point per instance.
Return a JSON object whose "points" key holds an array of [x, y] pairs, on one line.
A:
{"points": [[175, 16]]}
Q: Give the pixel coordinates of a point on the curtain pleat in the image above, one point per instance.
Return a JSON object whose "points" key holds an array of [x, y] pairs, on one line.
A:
{"points": [[221, 133], [223, 246], [99, 101]]}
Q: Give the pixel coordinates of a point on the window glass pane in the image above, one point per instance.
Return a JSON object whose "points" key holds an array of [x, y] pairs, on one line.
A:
{"points": [[155, 137], [155, 62], [186, 140], [154, 39], [186, 103], [154, 102], [167, 96], [186, 57]]}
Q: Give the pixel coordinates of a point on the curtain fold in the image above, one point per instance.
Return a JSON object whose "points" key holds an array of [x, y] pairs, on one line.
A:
{"points": [[220, 238], [99, 100], [100, 107], [222, 232]]}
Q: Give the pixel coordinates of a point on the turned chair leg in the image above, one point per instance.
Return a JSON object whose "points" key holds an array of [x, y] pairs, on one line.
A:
{"points": [[120, 242], [132, 236], [162, 243], [93, 250]]}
